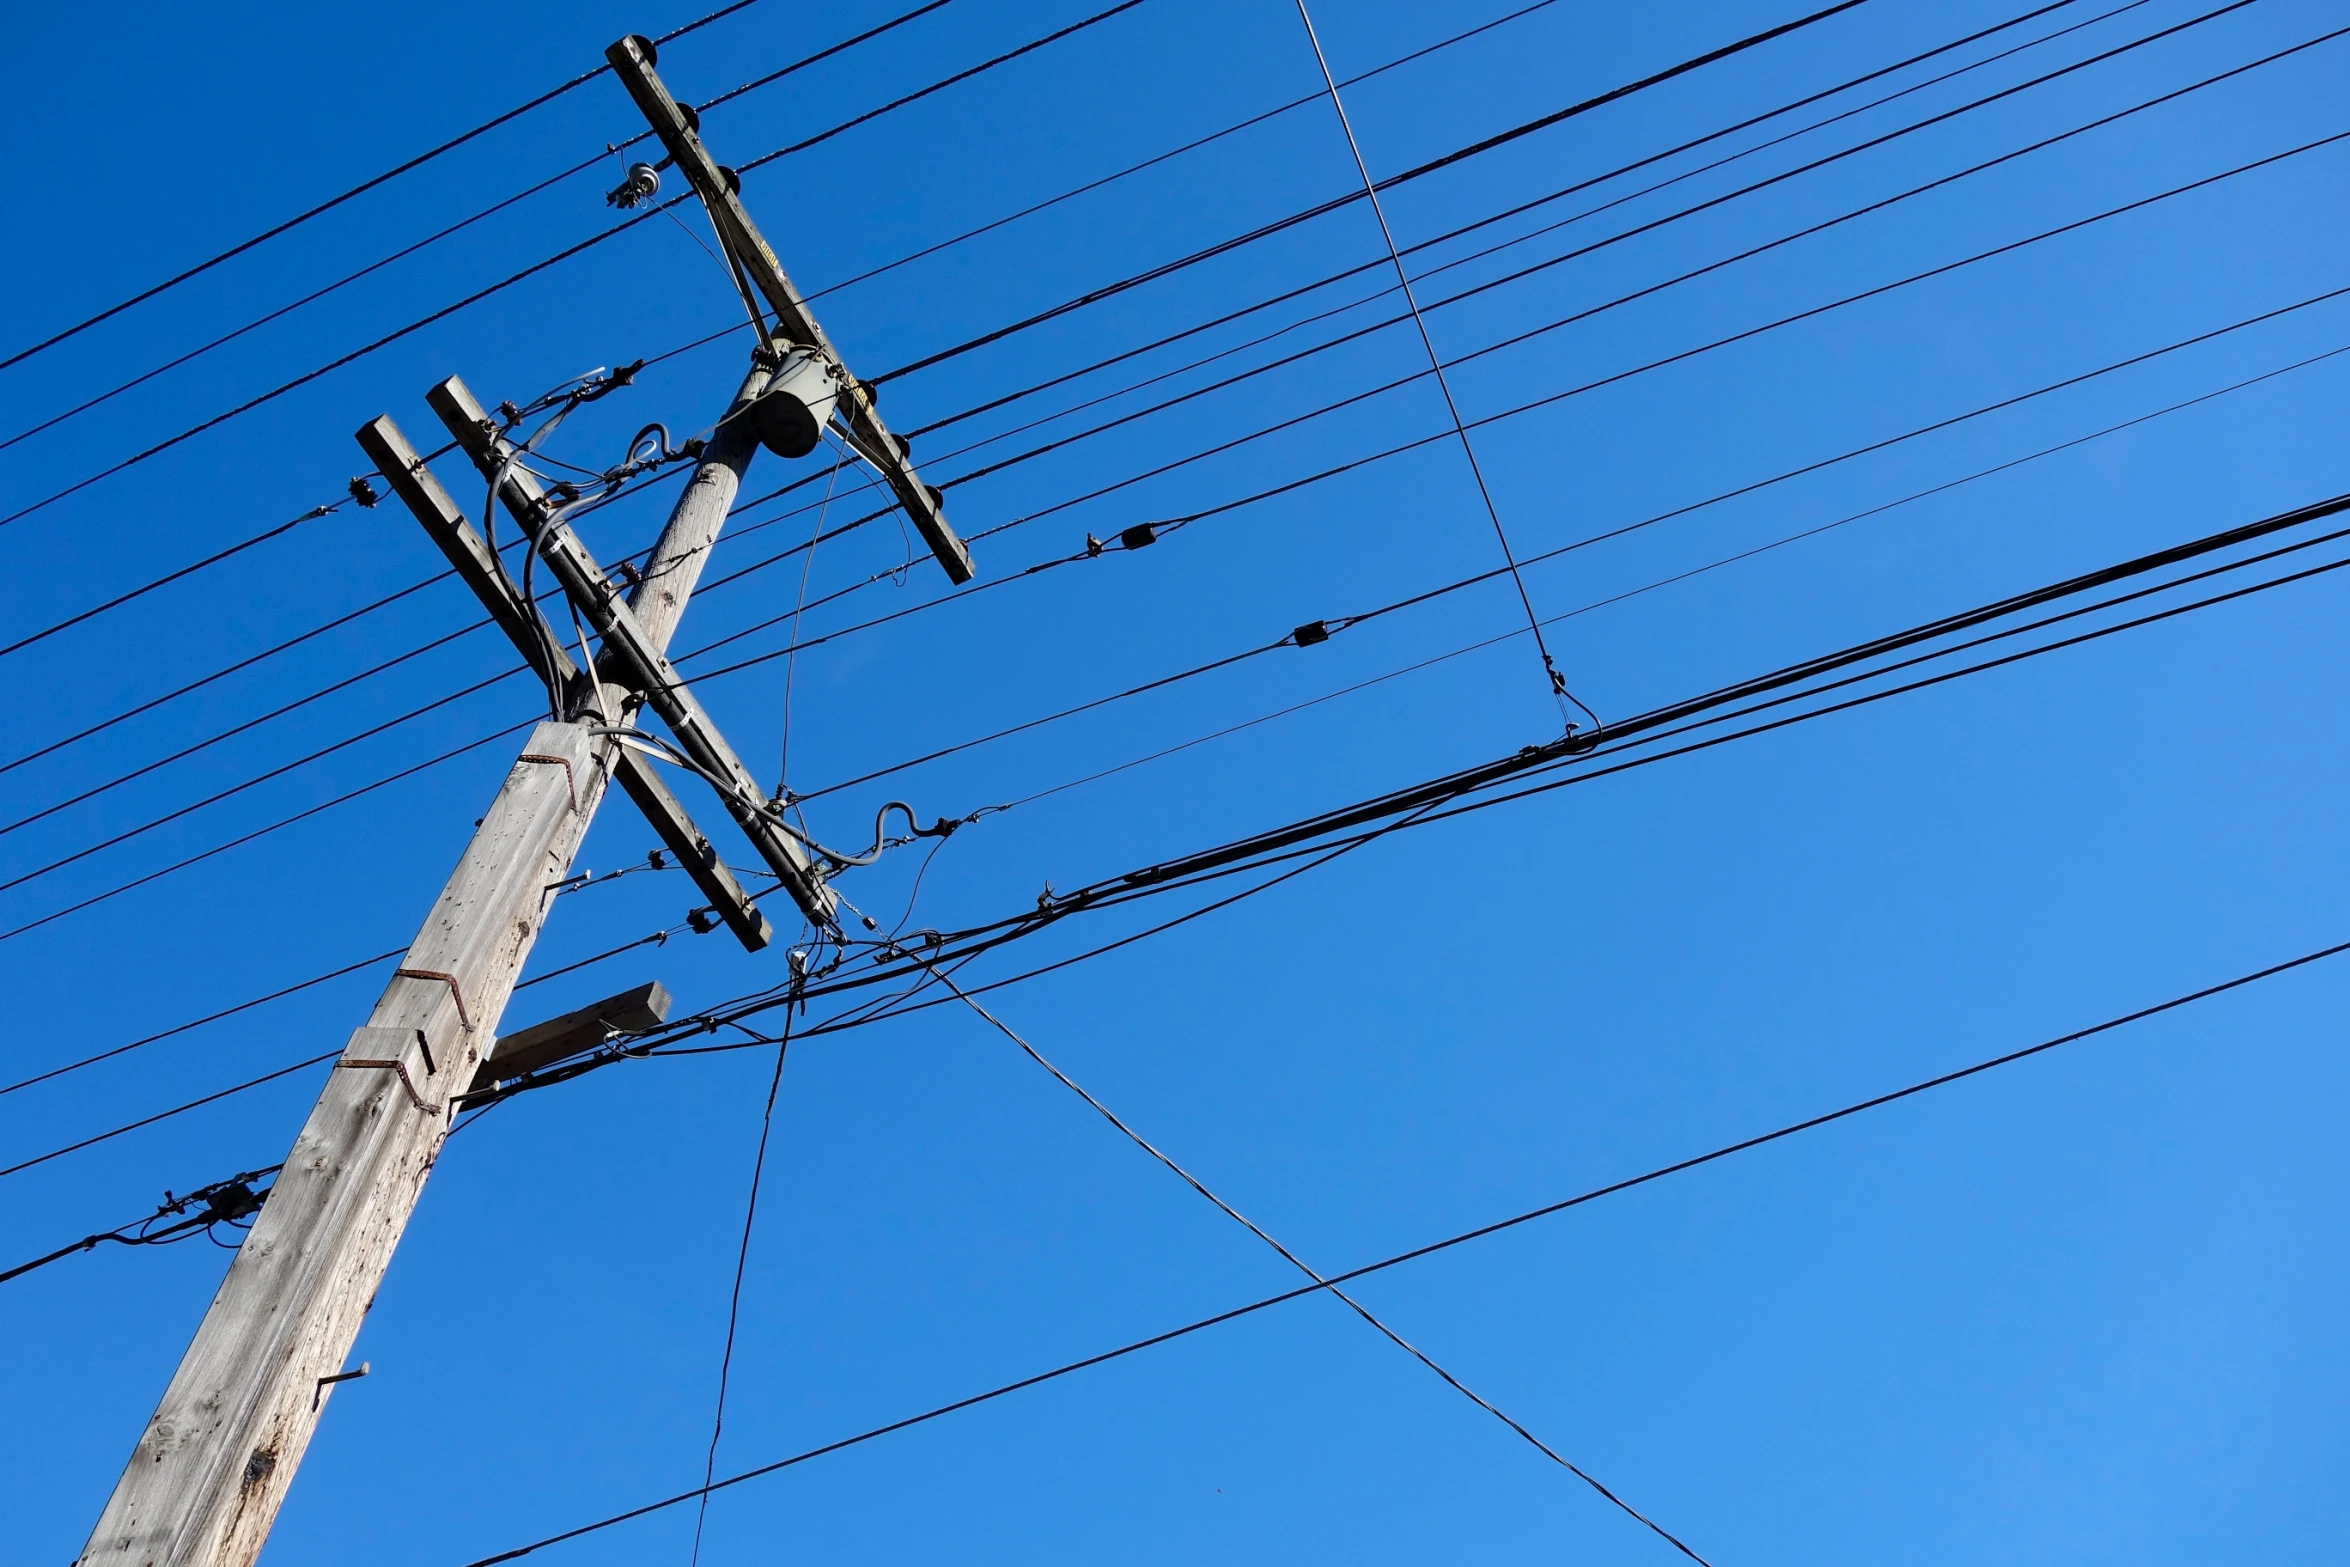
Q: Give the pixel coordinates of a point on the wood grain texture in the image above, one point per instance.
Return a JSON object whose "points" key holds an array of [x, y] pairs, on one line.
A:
{"points": [[634, 655], [212, 1465]]}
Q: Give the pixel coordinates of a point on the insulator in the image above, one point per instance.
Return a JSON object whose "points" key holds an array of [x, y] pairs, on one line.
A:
{"points": [[642, 183]]}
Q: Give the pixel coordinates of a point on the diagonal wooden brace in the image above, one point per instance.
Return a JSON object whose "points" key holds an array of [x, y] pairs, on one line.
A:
{"points": [[636, 660], [677, 126], [477, 567]]}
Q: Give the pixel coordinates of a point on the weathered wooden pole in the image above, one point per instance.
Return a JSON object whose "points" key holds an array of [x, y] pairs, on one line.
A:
{"points": [[213, 1465]]}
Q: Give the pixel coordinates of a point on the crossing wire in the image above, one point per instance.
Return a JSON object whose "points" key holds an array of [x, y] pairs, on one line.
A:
{"points": [[1557, 681], [759, 659], [1297, 1262], [1416, 311], [1344, 402], [1592, 311], [1336, 624], [1475, 149], [459, 226], [1466, 791], [1585, 183], [445, 311], [360, 189], [1434, 1248], [1436, 802], [1221, 320]]}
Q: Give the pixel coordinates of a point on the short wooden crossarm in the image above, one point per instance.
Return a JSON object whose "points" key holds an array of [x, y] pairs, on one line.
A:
{"points": [[634, 657], [632, 62]]}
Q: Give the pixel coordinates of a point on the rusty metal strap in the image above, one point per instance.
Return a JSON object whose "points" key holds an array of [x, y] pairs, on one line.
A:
{"points": [[570, 778], [406, 1081], [447, 979]]}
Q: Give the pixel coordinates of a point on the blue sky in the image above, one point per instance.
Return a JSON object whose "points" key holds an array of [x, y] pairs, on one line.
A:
{"points": [[2079, 1310]]}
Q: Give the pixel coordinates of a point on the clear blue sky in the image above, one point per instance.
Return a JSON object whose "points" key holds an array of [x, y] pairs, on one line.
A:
{"points": [[2084, 1310]]}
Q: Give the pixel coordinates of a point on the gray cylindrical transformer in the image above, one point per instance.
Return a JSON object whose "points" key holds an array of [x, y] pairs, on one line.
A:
{"points": [[790, 415]]}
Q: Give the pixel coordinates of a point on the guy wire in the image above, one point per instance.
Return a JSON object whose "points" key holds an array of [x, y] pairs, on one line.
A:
{"points": [[1558, 682]]}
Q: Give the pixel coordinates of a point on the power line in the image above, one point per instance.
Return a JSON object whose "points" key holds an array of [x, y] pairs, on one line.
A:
{"points": [[1434, 1248], [1295, 1261], [231, 1203], [1333, 625], [657, 938], [1263, 431], [1280, 225], [445, 311], [210, 1017], [357, 190], [861, 277], [1237, 126], [1415, 311], [1580, 185], [1311, 840], [1585, 183], [801, 644], [1472, 788], [1403, 280], [165, 1115], [742, 1261]]}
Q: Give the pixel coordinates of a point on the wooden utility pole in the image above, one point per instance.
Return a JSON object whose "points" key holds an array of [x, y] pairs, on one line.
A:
{"points": [[214, 1463], [212, 1467]]}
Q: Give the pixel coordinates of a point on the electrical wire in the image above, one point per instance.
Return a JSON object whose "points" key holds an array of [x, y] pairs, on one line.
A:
{"points": [[445, 311], [463, 223], [742, 1262], [940, 85], [230, 1203], [1458, 793], [1433, 660], [1475, 149], [1414, 315], [357, 190], [1584, 183], [211, 1017], [1434, 1248], [1687, 509], [1591, 756], [657, 938], [1753, 120], [1556, 680], [1297, 1262], [165, 1115], [1517, 338], [1336, 624], [1237, 126]]}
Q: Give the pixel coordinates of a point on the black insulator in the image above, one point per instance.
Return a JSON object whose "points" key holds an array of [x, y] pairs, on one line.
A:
{"points": [[1138, 536], [703, 921], [1311, 632], [364, 492]]}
